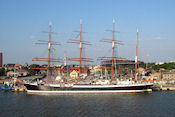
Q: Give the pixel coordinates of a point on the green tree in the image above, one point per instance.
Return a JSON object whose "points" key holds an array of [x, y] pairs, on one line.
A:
{"points": [[167, 66], [2, 71], [32, 70]]}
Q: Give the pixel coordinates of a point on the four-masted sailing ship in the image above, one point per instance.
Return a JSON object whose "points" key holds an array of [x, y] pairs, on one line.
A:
{"points": [[81, 88]]}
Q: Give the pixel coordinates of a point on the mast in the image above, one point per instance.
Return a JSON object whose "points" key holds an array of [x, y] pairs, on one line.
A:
{"points": [[49, 43], [48, 65], [112, 67], [65, 59], [114, 42], [80, 50], [136, 57], [81, 43]]}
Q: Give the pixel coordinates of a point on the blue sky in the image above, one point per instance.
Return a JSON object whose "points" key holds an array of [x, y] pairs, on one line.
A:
{"points": [[22, 23]]}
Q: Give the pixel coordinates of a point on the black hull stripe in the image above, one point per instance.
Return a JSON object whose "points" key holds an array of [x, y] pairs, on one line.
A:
{"points": [[48, 88]]}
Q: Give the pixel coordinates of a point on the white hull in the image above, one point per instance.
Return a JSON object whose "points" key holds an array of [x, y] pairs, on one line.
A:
{"points": [[87, 92]]}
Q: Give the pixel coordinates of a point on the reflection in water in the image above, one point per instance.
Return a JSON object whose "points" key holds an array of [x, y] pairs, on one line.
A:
{"points": [[156, 104]]}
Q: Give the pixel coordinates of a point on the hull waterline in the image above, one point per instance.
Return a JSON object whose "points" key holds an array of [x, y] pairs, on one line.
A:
{"points": [[87, 89]]}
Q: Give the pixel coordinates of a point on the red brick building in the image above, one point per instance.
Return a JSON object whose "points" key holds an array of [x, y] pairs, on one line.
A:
{"points": [[1, 60]]}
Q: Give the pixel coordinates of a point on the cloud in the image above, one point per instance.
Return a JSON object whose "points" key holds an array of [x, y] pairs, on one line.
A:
{"points": [[155, 38], [158, 38], [32, 37]]}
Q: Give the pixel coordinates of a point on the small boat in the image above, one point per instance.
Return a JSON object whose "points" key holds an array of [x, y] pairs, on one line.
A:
{"points": [[6, 86]]}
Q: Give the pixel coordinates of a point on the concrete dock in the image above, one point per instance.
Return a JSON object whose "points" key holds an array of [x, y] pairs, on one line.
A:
{"points": [[168, 88], [164, 88]]}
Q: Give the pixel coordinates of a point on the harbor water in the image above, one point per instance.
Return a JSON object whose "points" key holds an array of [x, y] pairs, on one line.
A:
{"points": [[21, 104]]}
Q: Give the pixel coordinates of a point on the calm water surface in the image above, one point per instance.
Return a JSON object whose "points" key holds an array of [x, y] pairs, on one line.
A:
{"points": [[156, 104]]}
